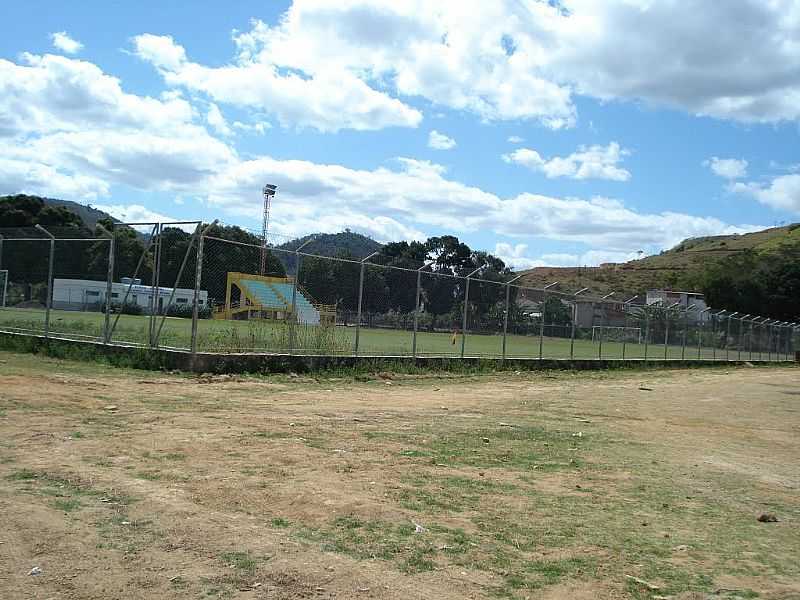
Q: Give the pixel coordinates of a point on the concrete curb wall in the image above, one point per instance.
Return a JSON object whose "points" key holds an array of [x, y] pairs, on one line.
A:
{"points": [[205, 362]]}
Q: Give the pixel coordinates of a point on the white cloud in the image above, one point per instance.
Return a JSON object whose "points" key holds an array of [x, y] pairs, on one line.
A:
{"points": [[419, 195], [62, 41], [72, 131], [517, 257], [589, 162], [346, 64], [439, 141], [134, 213], [55, 93], [324, 100], [259, 127], [216, 119], [782, 193], [728, 168], [515, 139], [18, 175]]}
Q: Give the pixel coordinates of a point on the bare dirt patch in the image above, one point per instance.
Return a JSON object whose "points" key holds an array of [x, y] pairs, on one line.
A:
{"points": [[520, 486]]}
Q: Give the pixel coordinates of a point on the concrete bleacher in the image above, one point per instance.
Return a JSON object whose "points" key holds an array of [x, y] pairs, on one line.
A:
{"points": [[278, 296]]}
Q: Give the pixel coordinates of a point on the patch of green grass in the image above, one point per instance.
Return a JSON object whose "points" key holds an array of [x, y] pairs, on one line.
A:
{"points": [[23, 475], [431, 493], [77, 435], [274, 435], [175, 456], [538, 574], [67, 505], [521, 447], [414, 453], [243, 561], [397, 543], [178, 583], [418, 561], [149, 475], [279, 522], [123, 533]]}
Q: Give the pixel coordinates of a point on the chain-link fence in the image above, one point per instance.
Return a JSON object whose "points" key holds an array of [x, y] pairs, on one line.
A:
{"points": [[143, 284]]}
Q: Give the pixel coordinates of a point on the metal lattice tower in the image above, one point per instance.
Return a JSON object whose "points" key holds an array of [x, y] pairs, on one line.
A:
{"points": [[269, 192]]}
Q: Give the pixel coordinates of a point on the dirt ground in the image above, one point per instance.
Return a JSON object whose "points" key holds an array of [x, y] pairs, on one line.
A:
{"points": [[126, 484]]}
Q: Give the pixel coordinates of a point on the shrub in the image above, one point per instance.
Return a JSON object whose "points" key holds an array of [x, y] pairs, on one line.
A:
{"points": [[184, 311]]}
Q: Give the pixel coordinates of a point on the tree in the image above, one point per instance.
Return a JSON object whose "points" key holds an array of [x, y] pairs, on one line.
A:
{"points": [[222, 257], [556, 312]]}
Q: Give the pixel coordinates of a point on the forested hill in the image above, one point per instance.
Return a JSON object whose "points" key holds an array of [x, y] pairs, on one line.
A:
{"points": [[30, 210], [346, 243]]}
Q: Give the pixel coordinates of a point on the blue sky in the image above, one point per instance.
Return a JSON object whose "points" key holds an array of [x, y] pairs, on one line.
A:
{"points": [[548, 133]]}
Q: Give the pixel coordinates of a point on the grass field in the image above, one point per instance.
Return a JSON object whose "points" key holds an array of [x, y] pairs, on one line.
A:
{"points": [[622, 485], [243, 336]]}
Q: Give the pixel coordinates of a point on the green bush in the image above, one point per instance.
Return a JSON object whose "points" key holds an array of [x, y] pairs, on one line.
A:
{"points": [[184, 311]]}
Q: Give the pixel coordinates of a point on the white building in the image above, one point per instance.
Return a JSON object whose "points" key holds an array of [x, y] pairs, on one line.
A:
{"points": [[684, 300], [90, 295]]}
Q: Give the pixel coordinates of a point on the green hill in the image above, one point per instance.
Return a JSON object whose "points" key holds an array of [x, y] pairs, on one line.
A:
{"points": [[681, 266], [88, 215], [345, 243]]}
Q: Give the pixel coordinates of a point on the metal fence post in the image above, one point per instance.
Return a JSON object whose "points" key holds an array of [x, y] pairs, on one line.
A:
{"points": [[543, 316], [505, 314], [466, 312], [740, 343], [769, 341], [198, 278], [574, 318], [155, 293], [49, 300], [109, 284], [714, 319], [1, 251], [728, 337], [685, 331], [603, 321], [505, 321], [298, 265], [416, 308], [416, 315], [666, 328], [646, 329], [625, 311], [360, 297], [572, 329]]}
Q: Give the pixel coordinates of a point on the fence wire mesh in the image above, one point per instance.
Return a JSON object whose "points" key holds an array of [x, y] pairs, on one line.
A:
{"points": [[167, 285]]}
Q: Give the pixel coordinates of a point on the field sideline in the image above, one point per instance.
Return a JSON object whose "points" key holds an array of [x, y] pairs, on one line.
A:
{"points": [[607, 485], [241, 336]]}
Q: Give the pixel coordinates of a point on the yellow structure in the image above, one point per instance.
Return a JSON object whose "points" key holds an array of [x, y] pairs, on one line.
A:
{"points": [[257, 297]]}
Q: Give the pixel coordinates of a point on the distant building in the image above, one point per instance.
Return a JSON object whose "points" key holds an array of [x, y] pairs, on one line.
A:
{"points": [[589, 313], [90, 295], [684, 300]]}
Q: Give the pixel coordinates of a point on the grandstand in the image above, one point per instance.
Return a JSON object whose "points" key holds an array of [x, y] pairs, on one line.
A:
{"points": [[257, 297]]}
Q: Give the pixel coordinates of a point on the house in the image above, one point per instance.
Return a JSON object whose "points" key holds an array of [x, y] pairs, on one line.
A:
{"points": [[90, 295], [683, 300]]}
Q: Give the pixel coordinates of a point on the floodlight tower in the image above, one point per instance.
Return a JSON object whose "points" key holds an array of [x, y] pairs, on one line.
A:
{"points": [[269, 193]]}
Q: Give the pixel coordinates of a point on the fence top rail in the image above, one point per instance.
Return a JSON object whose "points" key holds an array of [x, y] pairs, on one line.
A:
{"points": [[46, 239]]}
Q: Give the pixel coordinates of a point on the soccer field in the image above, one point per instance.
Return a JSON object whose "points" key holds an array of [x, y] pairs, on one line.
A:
{"points": [[270, 336]]}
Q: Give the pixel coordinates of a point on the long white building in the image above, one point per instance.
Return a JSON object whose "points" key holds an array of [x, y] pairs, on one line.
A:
{"points": [[88, 295]]}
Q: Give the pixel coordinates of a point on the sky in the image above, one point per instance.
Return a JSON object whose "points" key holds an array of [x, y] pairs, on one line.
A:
{"points": [[556, 133]]}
